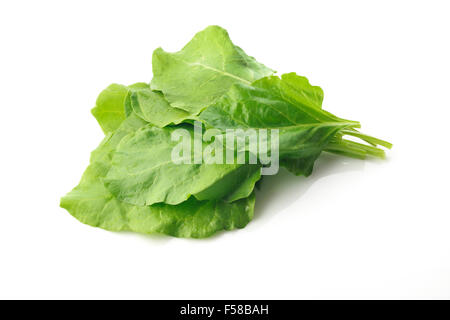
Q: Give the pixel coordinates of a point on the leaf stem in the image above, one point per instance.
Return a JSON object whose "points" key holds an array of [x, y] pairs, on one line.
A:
{"points": [[372, 140]]}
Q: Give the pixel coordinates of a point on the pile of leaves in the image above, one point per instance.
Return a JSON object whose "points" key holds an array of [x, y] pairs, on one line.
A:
{"points": [[132, 184]]}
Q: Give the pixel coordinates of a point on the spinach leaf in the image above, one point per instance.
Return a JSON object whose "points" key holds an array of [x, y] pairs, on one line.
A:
{"points": [[153, 107], [109, 109], [203, 70], [289, 103], [93, 204], [273, 103], [143, 172]]}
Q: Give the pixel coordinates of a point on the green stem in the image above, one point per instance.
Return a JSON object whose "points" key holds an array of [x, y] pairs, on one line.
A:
{"points": [[372, 140], [353, 149]]}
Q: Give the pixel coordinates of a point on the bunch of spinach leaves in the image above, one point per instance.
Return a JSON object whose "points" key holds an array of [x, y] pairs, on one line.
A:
{"points": [[131, 184]]}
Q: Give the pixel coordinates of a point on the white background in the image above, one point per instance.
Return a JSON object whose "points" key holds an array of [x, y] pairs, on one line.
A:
{"points": [[354, 229]]}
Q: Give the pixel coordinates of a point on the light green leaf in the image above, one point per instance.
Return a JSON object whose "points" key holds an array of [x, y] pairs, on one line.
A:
{"points": [[288, 104], [93, 204], [109, 109], [297, 90], [154, 108], [133, 88], [143, 172], [193, 78]]}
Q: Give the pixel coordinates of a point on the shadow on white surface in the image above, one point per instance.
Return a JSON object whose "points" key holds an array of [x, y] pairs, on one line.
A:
{"points": [[280, 191]]}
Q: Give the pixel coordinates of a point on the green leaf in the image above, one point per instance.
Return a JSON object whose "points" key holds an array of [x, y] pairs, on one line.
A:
{"points": [[294, 107], [304, 93], [153, 107], [274, 103], [267, 103], [203, 70], [133, 88], [300, 166], [295, 88], [143, 172], [93, 204], [109, 109]]}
